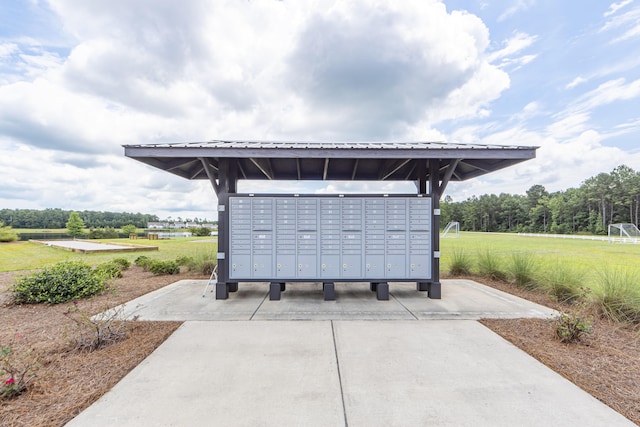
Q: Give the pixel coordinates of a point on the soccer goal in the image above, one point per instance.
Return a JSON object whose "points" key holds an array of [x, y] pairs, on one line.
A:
{"points": [[624, 233], [452, 225]]}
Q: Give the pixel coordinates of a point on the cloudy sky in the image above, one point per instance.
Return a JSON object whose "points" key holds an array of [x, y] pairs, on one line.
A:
{"points": [[78, 79]]}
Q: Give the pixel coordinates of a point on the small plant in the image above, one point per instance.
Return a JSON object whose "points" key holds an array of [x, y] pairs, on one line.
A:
{"points": [[617, 294], [64, 281], [144, 262], [489, 266], [101, 330], [460, 263], [109, 270], [184, 260], [122, 262], [522, 270], [164, 267], [571, 327], [17, 370]]}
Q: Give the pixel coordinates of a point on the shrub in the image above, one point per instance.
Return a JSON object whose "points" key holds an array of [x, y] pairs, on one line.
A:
{"points": [[102, 233], [144, 262], [184, 260], [122, 262], [522, 270], [101, 330], [489, 266], [109, 270], [61, 282], [460, 263], [164, 267], [617, 294], [129, 229], [563, 282], [571, 327]]}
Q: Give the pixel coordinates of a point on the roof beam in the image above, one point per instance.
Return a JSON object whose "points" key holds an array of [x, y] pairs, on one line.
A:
{"points": [[262, 168], [210, 174], [447, 175], [384, 175], [298, 168], [355, 170], [326, 168]]}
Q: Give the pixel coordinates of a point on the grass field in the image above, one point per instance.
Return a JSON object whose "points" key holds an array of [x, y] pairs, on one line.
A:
{"points": [[28, 256], [587, 255]]}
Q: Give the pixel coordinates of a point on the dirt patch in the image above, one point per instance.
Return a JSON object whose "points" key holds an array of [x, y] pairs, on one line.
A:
{"points": [[69, 381]]}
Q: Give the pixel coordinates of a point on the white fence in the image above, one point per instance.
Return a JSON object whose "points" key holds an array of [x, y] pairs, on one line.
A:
{"points": [[581, 237]]}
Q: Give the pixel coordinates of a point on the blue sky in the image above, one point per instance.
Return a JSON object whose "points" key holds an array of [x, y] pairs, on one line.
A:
{"points": [[80, 79]]}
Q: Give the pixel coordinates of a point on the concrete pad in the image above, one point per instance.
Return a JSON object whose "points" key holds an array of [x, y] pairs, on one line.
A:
{"points": [[183, 301], [461, 299], [453, 373], [466, 299], [230, 374], [304, 301]]}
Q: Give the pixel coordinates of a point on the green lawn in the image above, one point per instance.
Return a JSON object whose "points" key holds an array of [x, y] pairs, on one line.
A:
{"points": [[28, 256], [586, 255], [582, 254]]}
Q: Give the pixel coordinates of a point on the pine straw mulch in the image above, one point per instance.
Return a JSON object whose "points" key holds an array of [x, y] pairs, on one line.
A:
{"points": [[605, 364], [70, 380]]}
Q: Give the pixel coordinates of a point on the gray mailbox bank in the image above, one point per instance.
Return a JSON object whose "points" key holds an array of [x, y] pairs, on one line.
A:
{"points": [[377, 239]]}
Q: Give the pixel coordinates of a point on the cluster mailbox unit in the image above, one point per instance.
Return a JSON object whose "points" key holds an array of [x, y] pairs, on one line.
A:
{"points": [[345, 238], [283, 238]]}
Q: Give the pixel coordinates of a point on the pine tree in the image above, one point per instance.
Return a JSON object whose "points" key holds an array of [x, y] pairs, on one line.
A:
{"points": [[75, 225]]}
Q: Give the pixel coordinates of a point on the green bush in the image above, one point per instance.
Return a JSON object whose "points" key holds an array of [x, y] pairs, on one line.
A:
{"points": [[563, 282], [109, 270], [184, 260], [164, 267], [122, 262], [61, 282], [490, 266], [460, 263], [129, 229], [144, 262], [522, 270], [617, 294], [102, 233]]}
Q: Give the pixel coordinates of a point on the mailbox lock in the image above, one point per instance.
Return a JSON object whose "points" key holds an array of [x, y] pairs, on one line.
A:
{"points": [[300, 267], [255, 267], [279, 266], [389, 266], [344, 266], [324, 266], [234, 265], [413, 266], [368, 266]]}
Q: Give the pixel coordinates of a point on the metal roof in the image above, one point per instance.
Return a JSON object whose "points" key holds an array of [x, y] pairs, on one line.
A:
{"points": [[371, 161]]}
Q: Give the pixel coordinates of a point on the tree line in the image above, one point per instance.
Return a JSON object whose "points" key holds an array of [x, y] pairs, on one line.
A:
{"points": [[57, 218], [604, 199]]}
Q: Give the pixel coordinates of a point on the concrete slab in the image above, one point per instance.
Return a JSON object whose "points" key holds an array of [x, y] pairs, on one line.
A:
{"points": [[230, 374], [183, 301], [339, 373], [84, 246], [466, 299], [304, 301], [461, 299], [453, 373]]}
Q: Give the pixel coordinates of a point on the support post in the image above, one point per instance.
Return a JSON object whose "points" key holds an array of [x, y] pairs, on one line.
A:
{"points": [[382, 291], [227, 180], [274, 291], [434, 187], [329, 291]]}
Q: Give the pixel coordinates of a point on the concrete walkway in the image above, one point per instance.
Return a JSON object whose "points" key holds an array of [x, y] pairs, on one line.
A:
{"points": [[356, 361]]}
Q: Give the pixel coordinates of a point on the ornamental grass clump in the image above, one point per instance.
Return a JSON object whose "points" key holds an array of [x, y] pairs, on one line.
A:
{"points": [[522, 270], [460, 263], [563, 282], [490, 266], [64, 281], [616, 295]]}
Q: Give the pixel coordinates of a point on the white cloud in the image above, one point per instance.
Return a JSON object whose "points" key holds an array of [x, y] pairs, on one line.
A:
{"points": [[614, 7], [607, 93], [516, 7], [626, 24], [575, 82]]}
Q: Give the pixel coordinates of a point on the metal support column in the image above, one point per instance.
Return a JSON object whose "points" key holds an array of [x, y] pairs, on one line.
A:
{"points": [[434, 290]]}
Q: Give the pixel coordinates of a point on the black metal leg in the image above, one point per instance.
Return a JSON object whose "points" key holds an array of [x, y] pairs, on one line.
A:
{"points": [[329, 290], [283, 287], [222, 291], [373, 286], [435, 291], [233, 287], [382, 291], [423, 286], [274, 291]]}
